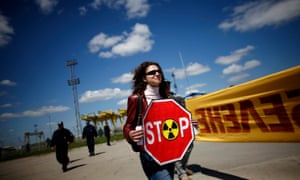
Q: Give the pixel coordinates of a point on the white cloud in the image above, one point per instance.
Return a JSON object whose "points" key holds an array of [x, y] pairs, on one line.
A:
{"points": [[251, 64], [5, 31], [82, 10], [190, 91], [194, 88], [258, 14], [96, 4], [103, 41], [123, 45], [234, 56], [35, 113], [235, 68], [123, 79], [122, 103], [113, 4], [106, 54], [137, 41], [6, 105], [192, 69], [7, 83], [134, 8], [44, 110], [238, 77], [103, 95], [137, 8], [46, 6]]}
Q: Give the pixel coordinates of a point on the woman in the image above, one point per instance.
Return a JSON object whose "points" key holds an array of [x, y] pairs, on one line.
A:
{"points": [[149, 82]]}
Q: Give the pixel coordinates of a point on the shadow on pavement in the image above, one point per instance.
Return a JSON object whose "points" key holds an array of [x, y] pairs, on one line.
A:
{"points": [[74, 167], [210, 172], [71, 161], [98, 153]]}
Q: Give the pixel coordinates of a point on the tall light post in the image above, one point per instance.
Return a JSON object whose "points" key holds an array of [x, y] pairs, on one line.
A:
{"points": [[50, 125], [175, 86], [74, 82]]}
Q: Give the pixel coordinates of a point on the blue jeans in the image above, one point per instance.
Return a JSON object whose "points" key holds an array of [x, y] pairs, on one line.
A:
{"points": [[154, 171]]}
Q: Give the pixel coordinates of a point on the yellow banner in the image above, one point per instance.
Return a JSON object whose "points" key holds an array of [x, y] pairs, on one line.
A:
{"points": [[263, 110]]}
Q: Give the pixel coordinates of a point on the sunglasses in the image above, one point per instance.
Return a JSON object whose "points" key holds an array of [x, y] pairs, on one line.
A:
{"points": [[153, 72]]}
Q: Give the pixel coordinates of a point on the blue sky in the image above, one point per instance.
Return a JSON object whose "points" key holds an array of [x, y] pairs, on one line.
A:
{"points": [[208, 45]]}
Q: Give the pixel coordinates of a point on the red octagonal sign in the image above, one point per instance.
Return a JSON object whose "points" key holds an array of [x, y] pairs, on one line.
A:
{"points": [[168, 131]]}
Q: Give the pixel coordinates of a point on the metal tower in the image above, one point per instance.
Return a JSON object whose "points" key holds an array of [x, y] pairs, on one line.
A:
{"points": [[74, 82], [175, 86]]}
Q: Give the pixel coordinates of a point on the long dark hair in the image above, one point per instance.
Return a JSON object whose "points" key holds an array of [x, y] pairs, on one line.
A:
{"points": [[138, 80]]}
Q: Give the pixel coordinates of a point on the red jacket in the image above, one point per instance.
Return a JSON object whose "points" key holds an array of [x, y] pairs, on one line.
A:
{"points": [[132, 108]]}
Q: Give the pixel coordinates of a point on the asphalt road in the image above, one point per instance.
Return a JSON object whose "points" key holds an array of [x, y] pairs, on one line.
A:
{"points": [[208, 161]]}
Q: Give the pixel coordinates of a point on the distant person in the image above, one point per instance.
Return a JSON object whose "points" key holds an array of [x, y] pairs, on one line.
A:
{"points": [[48, 141], [181, 166], [107, 133], [27, 147], [100, 132], [90, 133], [61, 139]]}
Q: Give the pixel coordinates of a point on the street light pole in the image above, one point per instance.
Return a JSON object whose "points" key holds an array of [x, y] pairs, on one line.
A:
{"points": [[175, 86], [74, 82]]}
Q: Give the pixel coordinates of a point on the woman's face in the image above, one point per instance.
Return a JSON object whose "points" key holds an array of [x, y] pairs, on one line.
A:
{"points": [[153, 76]]}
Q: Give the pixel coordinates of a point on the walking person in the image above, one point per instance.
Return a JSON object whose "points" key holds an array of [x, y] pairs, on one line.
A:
{"points": [[90, 133], [107, 133], [60, 141], [181, 166], [150, 84]]}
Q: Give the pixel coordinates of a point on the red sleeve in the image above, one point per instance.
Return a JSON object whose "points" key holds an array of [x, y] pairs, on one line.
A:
{"points": [[130, 123]]}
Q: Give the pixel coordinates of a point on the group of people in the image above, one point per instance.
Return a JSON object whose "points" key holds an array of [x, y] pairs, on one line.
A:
{"points": [[62, 137], [149, 84]]}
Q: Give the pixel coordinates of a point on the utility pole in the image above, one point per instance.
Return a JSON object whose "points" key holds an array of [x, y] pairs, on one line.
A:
{"points": [[175, 86], [184, 70], [74, 82], [50, 125]]}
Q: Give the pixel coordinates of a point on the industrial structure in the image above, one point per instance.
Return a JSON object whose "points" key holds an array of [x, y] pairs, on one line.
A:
{"points": [[74, 82], [107, 116]]}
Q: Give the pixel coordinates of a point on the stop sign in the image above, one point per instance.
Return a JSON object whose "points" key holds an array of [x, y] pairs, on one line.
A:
{"points": [[168, 131]]}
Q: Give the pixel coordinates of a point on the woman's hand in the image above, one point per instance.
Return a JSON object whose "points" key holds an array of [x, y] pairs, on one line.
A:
{"points": [[136, 135]]}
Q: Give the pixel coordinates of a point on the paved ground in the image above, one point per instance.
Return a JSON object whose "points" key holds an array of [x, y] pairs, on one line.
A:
{"points": [[209, 161]]}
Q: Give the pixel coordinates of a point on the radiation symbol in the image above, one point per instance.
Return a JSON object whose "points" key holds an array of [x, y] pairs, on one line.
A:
{"points": [[170, 129]]}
